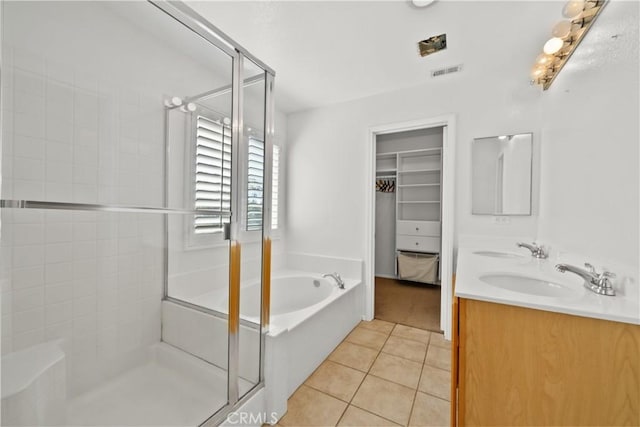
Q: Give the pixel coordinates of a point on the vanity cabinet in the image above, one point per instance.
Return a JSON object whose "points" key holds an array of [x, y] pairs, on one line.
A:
{"points": [[517, 366]]}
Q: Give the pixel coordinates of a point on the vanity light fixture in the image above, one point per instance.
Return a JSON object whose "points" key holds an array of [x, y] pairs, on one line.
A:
{"points": [[566, 36], [421, 3]]}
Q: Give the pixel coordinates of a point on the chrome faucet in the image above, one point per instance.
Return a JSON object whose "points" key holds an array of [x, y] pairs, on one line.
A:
{"points": [[337, 278], [536, 251], [594, 281]]}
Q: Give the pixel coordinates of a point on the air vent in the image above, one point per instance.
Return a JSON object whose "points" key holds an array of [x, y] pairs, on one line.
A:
{"points": [[447, 70]]}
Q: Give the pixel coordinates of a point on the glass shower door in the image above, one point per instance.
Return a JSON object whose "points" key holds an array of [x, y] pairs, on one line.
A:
{"points": [[253, 180], [124, 253], [198, 254]]}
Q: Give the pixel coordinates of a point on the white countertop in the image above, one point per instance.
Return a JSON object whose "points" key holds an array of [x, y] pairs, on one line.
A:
{"points": [[623, 307]]}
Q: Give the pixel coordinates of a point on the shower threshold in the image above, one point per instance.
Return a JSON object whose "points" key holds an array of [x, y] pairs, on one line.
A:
{"points": [[172, 388]]}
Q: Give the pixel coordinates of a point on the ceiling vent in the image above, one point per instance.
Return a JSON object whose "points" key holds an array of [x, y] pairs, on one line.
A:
{"points": [[446, 70], [432, 45]]}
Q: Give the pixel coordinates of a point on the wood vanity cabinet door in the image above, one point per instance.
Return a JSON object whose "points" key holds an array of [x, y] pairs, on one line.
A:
{"points": [[520, 366], [454, 365]]}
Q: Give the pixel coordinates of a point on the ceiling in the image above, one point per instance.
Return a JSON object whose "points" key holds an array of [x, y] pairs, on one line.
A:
{"points": [[329, 52]]}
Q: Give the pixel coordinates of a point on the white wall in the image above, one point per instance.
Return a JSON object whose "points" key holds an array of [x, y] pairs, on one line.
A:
{"points": [[589, 135], [327, 210], [590, 155]]}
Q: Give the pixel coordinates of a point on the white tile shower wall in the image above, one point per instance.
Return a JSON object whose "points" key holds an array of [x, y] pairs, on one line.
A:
{"points": [[100, 294], [75, 133], [69, 143]]}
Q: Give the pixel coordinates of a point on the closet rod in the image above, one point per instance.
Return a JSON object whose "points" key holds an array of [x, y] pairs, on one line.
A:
{"points": [[386, 177]]}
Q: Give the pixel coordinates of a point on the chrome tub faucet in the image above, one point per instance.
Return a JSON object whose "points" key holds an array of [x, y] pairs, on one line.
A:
{"points": [[536, 251], [594, 281], [337, 278]]}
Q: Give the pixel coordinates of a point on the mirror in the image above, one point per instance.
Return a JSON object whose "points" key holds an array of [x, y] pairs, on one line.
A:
{"points": [[502, 175]]}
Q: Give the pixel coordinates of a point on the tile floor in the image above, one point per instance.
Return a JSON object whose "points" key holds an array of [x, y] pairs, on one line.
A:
{"points": [[382, 374]]}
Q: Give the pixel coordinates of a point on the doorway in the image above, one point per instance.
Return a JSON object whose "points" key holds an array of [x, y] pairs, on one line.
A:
{"points": [[410, 223]]}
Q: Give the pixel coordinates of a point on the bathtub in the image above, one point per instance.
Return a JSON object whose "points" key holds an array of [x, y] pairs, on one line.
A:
{"points": [[295, 296], [310, 316]]}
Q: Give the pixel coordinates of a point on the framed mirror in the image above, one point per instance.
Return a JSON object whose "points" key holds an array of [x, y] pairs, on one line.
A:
{"points": [[501, 174]]}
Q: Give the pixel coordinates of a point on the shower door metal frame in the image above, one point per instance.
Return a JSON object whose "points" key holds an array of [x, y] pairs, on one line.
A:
{"points": [[198, 24]]}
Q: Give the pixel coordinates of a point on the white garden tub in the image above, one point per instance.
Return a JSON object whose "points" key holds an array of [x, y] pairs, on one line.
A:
{"points": [[310, 316]]}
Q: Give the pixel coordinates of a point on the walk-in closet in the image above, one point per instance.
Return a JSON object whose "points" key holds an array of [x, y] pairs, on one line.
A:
{"points": [[408, 227]]}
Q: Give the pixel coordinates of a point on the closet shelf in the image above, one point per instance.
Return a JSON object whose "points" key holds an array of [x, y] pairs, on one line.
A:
{"points": [[417, 201], [418, 185], [423, 151], [420, 171], [386, 171]]}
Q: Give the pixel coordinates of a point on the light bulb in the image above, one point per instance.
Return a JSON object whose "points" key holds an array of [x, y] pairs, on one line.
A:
{"points": [[553, 45], [573, 9], [191, 107], [544, 59], [176, 100], [562, 29], [537, 72], [226, 121]]}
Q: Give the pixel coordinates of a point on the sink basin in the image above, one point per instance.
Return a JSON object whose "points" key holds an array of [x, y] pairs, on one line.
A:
{"points": [[496, 254], [527, 285]]}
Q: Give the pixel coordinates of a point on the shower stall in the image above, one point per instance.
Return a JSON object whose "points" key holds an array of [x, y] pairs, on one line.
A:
{"points": [[135, 209]]}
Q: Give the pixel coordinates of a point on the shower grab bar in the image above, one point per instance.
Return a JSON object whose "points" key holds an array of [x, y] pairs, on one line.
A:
{"points": [[37, 204]]}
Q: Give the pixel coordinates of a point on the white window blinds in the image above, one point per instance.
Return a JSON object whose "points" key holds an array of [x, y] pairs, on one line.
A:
{"points": [[213, 174], [255, 184], [275, 181]]}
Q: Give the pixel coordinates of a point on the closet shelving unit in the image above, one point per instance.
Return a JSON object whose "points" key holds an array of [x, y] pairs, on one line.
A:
{"points": [[418, 197]]}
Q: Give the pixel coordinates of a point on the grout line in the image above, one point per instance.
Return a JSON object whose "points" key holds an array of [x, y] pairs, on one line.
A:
{"points": [[364, 378], [374, 414], [436, 367], [415, 395], [433, 395], [350, 367], [396, 383]]}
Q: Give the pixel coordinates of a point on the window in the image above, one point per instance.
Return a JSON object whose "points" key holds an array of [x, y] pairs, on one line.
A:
{"points": [[255, 184], [275, 184], [213, 178], [212, 174]]}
